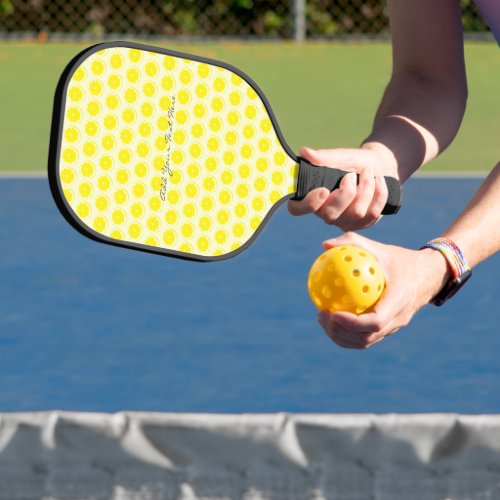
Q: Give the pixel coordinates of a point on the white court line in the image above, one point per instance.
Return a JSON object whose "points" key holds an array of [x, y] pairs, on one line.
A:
{"points": [[455, 174], [23, 175]]}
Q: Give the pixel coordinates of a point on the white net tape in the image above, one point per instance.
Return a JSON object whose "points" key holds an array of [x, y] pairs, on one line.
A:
{"points": [[160, 456]]}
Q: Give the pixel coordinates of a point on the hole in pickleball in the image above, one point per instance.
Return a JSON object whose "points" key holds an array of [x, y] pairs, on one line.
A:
{"points": [[326, 292], [316, 276], [348, 258], [317, 300], [372, 270], [346, 299], [366, 289], [362, 254], [360, 309], [339, 281], [379, 287], [356, 273]]}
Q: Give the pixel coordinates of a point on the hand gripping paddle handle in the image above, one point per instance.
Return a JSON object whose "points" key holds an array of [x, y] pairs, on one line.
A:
{"points": [[312, 177]]}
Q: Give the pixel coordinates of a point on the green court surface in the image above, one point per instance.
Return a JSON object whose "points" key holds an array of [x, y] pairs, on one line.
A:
{"points": [[323, 95]]}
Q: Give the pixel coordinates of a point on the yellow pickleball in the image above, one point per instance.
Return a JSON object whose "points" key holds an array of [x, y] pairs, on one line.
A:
{"points": [[346, 278]]}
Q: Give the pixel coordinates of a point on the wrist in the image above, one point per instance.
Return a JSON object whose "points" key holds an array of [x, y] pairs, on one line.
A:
{"points": [[437, 272], [386, 157]]}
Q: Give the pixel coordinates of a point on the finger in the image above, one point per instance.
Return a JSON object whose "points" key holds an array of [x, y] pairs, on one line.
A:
{"points": [[338, 334], [352, 341], [358, 224], [362, 324], [310, 155], [341, 340], [380, 196], [373, 339], [393, 332], [365, 191], [362, 340], [371, 343], [378, 323], [349, 338], [366, 209], [311, 203], [338, 201], [345, 344]]}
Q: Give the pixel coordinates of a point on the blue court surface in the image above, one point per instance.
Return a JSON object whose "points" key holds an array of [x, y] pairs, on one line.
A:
{"points": [[90, 327]]}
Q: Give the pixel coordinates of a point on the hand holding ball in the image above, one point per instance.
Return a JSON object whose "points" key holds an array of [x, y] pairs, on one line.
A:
{"points": [[346, 278]]}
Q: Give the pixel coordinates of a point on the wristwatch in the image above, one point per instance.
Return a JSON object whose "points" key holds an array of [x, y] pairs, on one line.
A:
{"points": [[460, 270]]}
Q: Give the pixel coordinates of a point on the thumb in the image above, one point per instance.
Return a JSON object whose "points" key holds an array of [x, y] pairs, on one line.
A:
{"points": [[338, 158], [349, 238], [377, 249]]}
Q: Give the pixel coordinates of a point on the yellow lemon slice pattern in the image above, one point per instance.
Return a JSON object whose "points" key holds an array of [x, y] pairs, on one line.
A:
{"points": [[169, 152]]}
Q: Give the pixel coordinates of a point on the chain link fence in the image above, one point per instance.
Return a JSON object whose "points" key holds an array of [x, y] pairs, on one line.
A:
{"points": [[206, 18]]}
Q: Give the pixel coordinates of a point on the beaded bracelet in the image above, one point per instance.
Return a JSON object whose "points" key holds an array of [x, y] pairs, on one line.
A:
{"points": [[460, 269]]}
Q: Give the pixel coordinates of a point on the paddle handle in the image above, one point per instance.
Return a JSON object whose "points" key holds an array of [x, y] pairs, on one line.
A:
{"points": [[312, 177]]}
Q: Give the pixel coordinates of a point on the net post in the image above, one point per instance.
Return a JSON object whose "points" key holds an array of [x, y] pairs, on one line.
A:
{"points": [[299, 20]]}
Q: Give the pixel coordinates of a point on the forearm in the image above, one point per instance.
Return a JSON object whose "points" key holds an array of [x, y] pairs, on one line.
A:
{"points": [[477, 230], [424, 103], [416, 120]]}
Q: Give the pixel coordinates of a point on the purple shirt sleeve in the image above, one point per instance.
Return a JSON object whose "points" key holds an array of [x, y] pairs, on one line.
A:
{"points": [[490, 9]]}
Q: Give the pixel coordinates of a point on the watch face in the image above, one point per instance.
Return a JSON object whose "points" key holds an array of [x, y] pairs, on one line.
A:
{"points": [[451, 288]]}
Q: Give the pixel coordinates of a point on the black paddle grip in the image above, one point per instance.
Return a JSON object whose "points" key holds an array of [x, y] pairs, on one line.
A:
{"points": [[312, 177]]}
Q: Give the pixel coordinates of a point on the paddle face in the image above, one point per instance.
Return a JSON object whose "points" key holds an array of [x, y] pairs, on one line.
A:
{"points": [[165, 152]]}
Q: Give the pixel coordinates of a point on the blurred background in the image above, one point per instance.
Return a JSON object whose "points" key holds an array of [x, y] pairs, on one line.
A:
{"points": [[283, 19], [344, 60]]}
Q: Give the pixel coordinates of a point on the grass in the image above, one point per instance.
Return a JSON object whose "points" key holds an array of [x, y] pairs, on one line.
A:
{"points": [[323, 95]]}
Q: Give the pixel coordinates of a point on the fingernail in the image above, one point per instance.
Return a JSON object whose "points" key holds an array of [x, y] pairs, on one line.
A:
{"points": [[346, 179], [324, 194]]}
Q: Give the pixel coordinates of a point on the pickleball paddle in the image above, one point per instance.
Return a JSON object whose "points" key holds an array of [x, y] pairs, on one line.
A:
{"points": [[171, 153]]}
